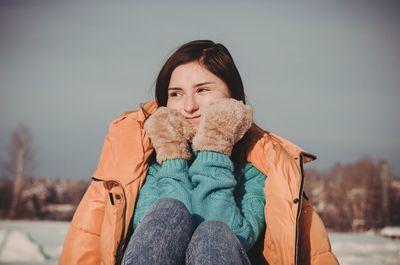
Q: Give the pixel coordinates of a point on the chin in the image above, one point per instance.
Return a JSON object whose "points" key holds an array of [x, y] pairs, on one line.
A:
{"points": [[196, 121]]}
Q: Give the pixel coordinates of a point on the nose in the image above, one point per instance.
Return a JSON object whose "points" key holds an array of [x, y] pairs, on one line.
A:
{"points": [[191, 104]]}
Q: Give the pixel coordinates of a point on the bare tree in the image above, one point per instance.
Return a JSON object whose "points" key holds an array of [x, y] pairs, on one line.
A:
{"points": [[385, 179], [20, 161], [355, 196]]}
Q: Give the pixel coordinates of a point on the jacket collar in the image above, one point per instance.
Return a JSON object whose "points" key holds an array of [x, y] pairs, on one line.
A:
{"points": [[149, 107], [263, 153]]}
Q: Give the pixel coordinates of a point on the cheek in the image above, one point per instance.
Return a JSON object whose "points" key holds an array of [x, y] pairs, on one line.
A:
{"points": [[211, 99], [173, 104]]}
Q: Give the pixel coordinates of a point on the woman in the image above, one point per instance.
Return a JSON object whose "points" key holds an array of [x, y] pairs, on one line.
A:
{"points": [[190, 179]]}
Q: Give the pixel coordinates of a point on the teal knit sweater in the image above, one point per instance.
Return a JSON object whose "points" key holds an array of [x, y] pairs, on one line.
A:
{"points": [[211, 190]]}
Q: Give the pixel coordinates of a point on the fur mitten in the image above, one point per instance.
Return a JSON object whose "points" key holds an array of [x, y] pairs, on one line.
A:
{"points": [[169, 132], [222, 124]]}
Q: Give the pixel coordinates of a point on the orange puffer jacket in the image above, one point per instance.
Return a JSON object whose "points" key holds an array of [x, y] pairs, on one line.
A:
{"points": [[294, 232]]}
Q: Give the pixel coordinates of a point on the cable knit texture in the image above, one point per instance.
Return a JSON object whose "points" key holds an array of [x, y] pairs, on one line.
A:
{"points": [[236, 198], [168, 180], [222, 124], [169, 132]]}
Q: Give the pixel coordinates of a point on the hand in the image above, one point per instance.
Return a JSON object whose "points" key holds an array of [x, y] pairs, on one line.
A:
{"points": [[222, 124], [169, 132]]}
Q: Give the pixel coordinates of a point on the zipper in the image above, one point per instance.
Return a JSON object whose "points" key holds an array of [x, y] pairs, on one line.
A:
{"points": [[299, 208], [121, 244]]}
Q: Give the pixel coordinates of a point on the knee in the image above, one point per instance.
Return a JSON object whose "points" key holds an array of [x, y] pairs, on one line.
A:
{"points": [[168, 208], [214, 229], [213, 242], [170, 203]]}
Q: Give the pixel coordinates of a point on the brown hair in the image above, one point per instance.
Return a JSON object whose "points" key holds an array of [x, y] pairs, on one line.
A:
{"points": [[216, 58]]}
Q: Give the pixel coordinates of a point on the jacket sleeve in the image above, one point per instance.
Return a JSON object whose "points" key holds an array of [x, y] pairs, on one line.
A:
{"points": [[82, 245], [213, 196], [314, 244]]}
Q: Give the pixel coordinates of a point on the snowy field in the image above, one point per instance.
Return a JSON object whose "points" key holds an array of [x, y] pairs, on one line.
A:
{"points": [[365, 249], [33, 242]]}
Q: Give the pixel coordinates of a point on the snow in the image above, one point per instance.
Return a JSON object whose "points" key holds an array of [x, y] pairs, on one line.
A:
{"points": [[31, 242], [365, 248], [391, 231], [40, 243], [12, 240]]}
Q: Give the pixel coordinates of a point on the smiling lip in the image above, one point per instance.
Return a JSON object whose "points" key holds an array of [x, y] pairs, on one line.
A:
{"points": [[192, 118]]}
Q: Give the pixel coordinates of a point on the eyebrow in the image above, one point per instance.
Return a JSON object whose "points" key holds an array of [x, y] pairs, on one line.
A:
{"points": [[204, 83], [197, 85]]}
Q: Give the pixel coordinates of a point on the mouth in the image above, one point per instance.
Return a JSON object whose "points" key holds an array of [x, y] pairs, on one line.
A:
{"points": [[195, 119]]}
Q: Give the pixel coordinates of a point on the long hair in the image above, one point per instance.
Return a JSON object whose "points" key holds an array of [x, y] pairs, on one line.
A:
{"points": [[216, 58]]}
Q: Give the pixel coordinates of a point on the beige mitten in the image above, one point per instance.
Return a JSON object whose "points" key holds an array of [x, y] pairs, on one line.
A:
{"points": [[222, 125], [169, 132]]}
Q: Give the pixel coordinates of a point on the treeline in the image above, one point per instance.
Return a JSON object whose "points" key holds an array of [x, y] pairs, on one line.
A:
{"points": [[349, 197], [41, 198], [355, 197]]}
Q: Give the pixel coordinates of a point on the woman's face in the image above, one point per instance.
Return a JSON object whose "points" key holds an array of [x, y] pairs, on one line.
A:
{"points": [[193, 88]]}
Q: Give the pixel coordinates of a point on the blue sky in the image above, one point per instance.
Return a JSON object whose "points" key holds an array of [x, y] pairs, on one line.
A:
{"points": [[324, 74]]}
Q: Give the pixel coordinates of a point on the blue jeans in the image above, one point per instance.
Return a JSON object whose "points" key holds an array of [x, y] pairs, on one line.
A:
{"points": [[167, 235]]}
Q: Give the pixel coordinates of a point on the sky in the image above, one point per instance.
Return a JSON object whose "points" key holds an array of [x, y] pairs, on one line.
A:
{"points": [[323, 74]]}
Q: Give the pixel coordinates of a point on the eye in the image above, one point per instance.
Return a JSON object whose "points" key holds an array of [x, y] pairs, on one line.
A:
{"points": [[202, 89], [174, 94]]}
